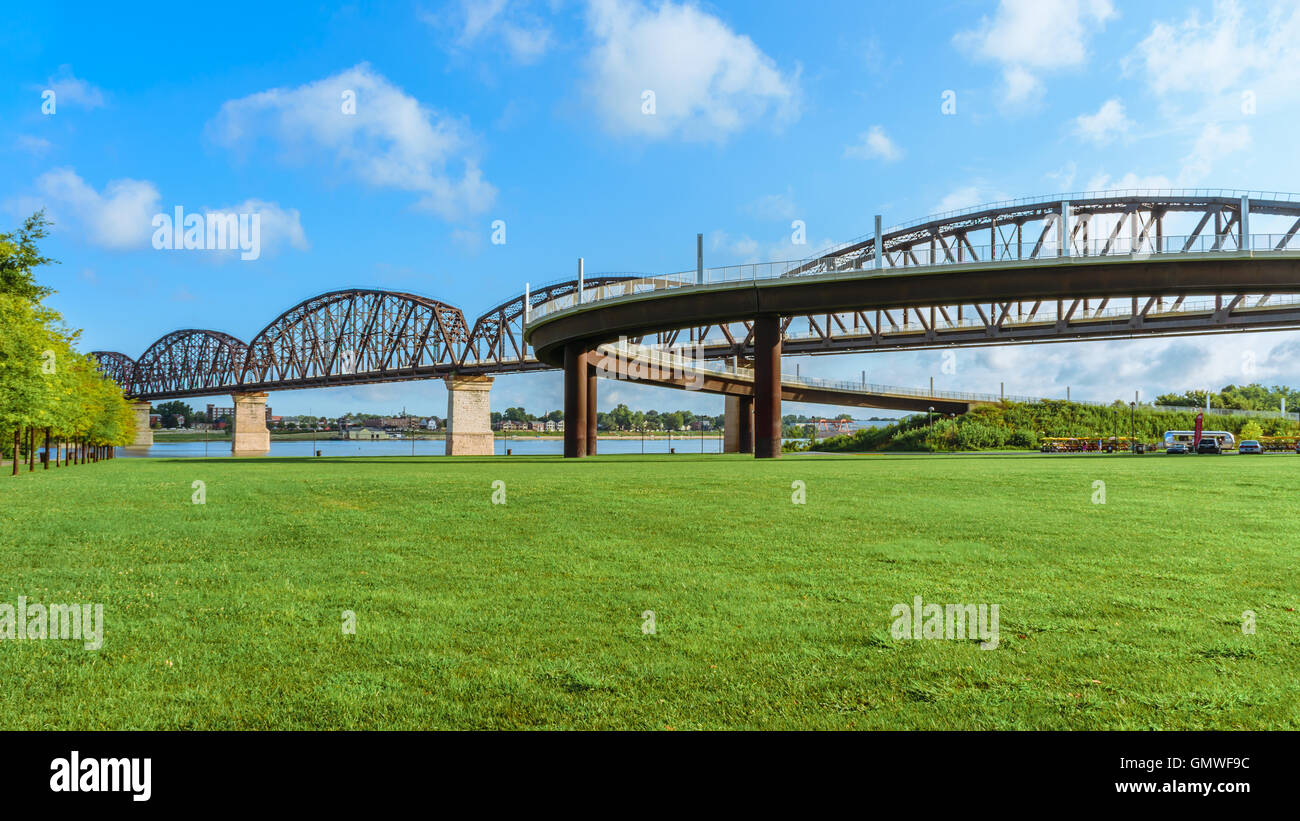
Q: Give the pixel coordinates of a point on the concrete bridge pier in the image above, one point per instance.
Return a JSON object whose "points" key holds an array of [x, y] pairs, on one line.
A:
{"points": [[767, 386], [738, 425], [469, 416], [143, 433], [250, 436]]}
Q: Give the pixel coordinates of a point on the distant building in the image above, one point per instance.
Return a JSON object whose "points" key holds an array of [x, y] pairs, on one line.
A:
{"points": [[214, 413], [364, 433]]}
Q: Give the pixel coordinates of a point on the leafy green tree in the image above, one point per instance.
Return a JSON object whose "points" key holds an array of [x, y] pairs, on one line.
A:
{"points": [[19, 256], [171, 410]]}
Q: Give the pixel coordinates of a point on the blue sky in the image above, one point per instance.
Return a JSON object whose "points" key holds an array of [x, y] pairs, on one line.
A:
{"points": [[531, 113]]}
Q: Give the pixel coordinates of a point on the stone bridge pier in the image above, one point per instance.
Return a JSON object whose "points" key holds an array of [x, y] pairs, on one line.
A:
{"points": [[469, 416], [250, 436], [143, 433]]}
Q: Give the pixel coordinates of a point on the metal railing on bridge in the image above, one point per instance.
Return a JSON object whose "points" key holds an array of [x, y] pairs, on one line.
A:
{"points": [[968, 256]]}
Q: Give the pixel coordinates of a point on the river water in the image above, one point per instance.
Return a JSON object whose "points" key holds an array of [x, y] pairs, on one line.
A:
{"points": [[422, 447]]}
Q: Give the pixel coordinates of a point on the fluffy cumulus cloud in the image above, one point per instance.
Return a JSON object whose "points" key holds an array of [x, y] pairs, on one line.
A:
{"points": [[118, 217], [874, 144], [1028, 37], [1229, 50], [676, 71], [389, 140], [1109, 123]]}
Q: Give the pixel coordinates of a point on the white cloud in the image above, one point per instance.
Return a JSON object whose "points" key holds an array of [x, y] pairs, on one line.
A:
{"points": [[279, 226], [1031, 36], [774, 206], [1229, 65], [874, 144], [524, 35], [1103, 127], [1063, 177], [118, 217], [1019, 86], [968, 196], [1103, 182], [744, 249], [1214, 143], [1201, 57], [708, 81], [121, 216], [68, 88], [392, 141], [38, 146]]}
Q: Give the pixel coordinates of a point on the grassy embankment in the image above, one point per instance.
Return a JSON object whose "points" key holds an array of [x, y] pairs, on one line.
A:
{"points": [[1017, 426]]}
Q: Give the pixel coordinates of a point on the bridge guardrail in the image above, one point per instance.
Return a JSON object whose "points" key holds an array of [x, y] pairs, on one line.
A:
{"points": [[1074, 197], [1079, 250]]}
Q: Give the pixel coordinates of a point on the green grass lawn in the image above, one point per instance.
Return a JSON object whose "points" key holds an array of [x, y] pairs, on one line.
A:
{"points": [[769, 614]]}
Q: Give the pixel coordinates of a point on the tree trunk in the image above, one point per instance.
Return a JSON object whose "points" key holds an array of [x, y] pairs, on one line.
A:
{"points": [[46, 461], [31, 449], [17, 435]]}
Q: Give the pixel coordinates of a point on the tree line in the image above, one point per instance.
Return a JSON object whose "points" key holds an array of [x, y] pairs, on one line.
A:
{"points": [[1237, 397], [52, 396]]}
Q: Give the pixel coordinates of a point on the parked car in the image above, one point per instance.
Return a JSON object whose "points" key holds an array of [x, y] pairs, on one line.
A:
{"points": [[1176, 448], [1208, 445], [1250, 446]]}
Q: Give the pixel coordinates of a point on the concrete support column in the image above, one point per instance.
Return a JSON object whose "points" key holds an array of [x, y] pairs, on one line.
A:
{"points": [[250, 437], [143, 433], [591, 406], [731, 425], [469, 416], [767, 387], [745, 429], [575, 401]]}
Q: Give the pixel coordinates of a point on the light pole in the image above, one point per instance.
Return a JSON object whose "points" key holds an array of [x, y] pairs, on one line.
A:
{"points": [[1132, 426], [929, 418]]}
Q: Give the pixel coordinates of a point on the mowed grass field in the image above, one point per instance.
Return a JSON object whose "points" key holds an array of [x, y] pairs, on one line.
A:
{"points": [[769, 614]]}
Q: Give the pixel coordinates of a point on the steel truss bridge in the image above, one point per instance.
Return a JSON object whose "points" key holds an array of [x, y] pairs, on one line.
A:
{"points": [[1052, 269]]}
